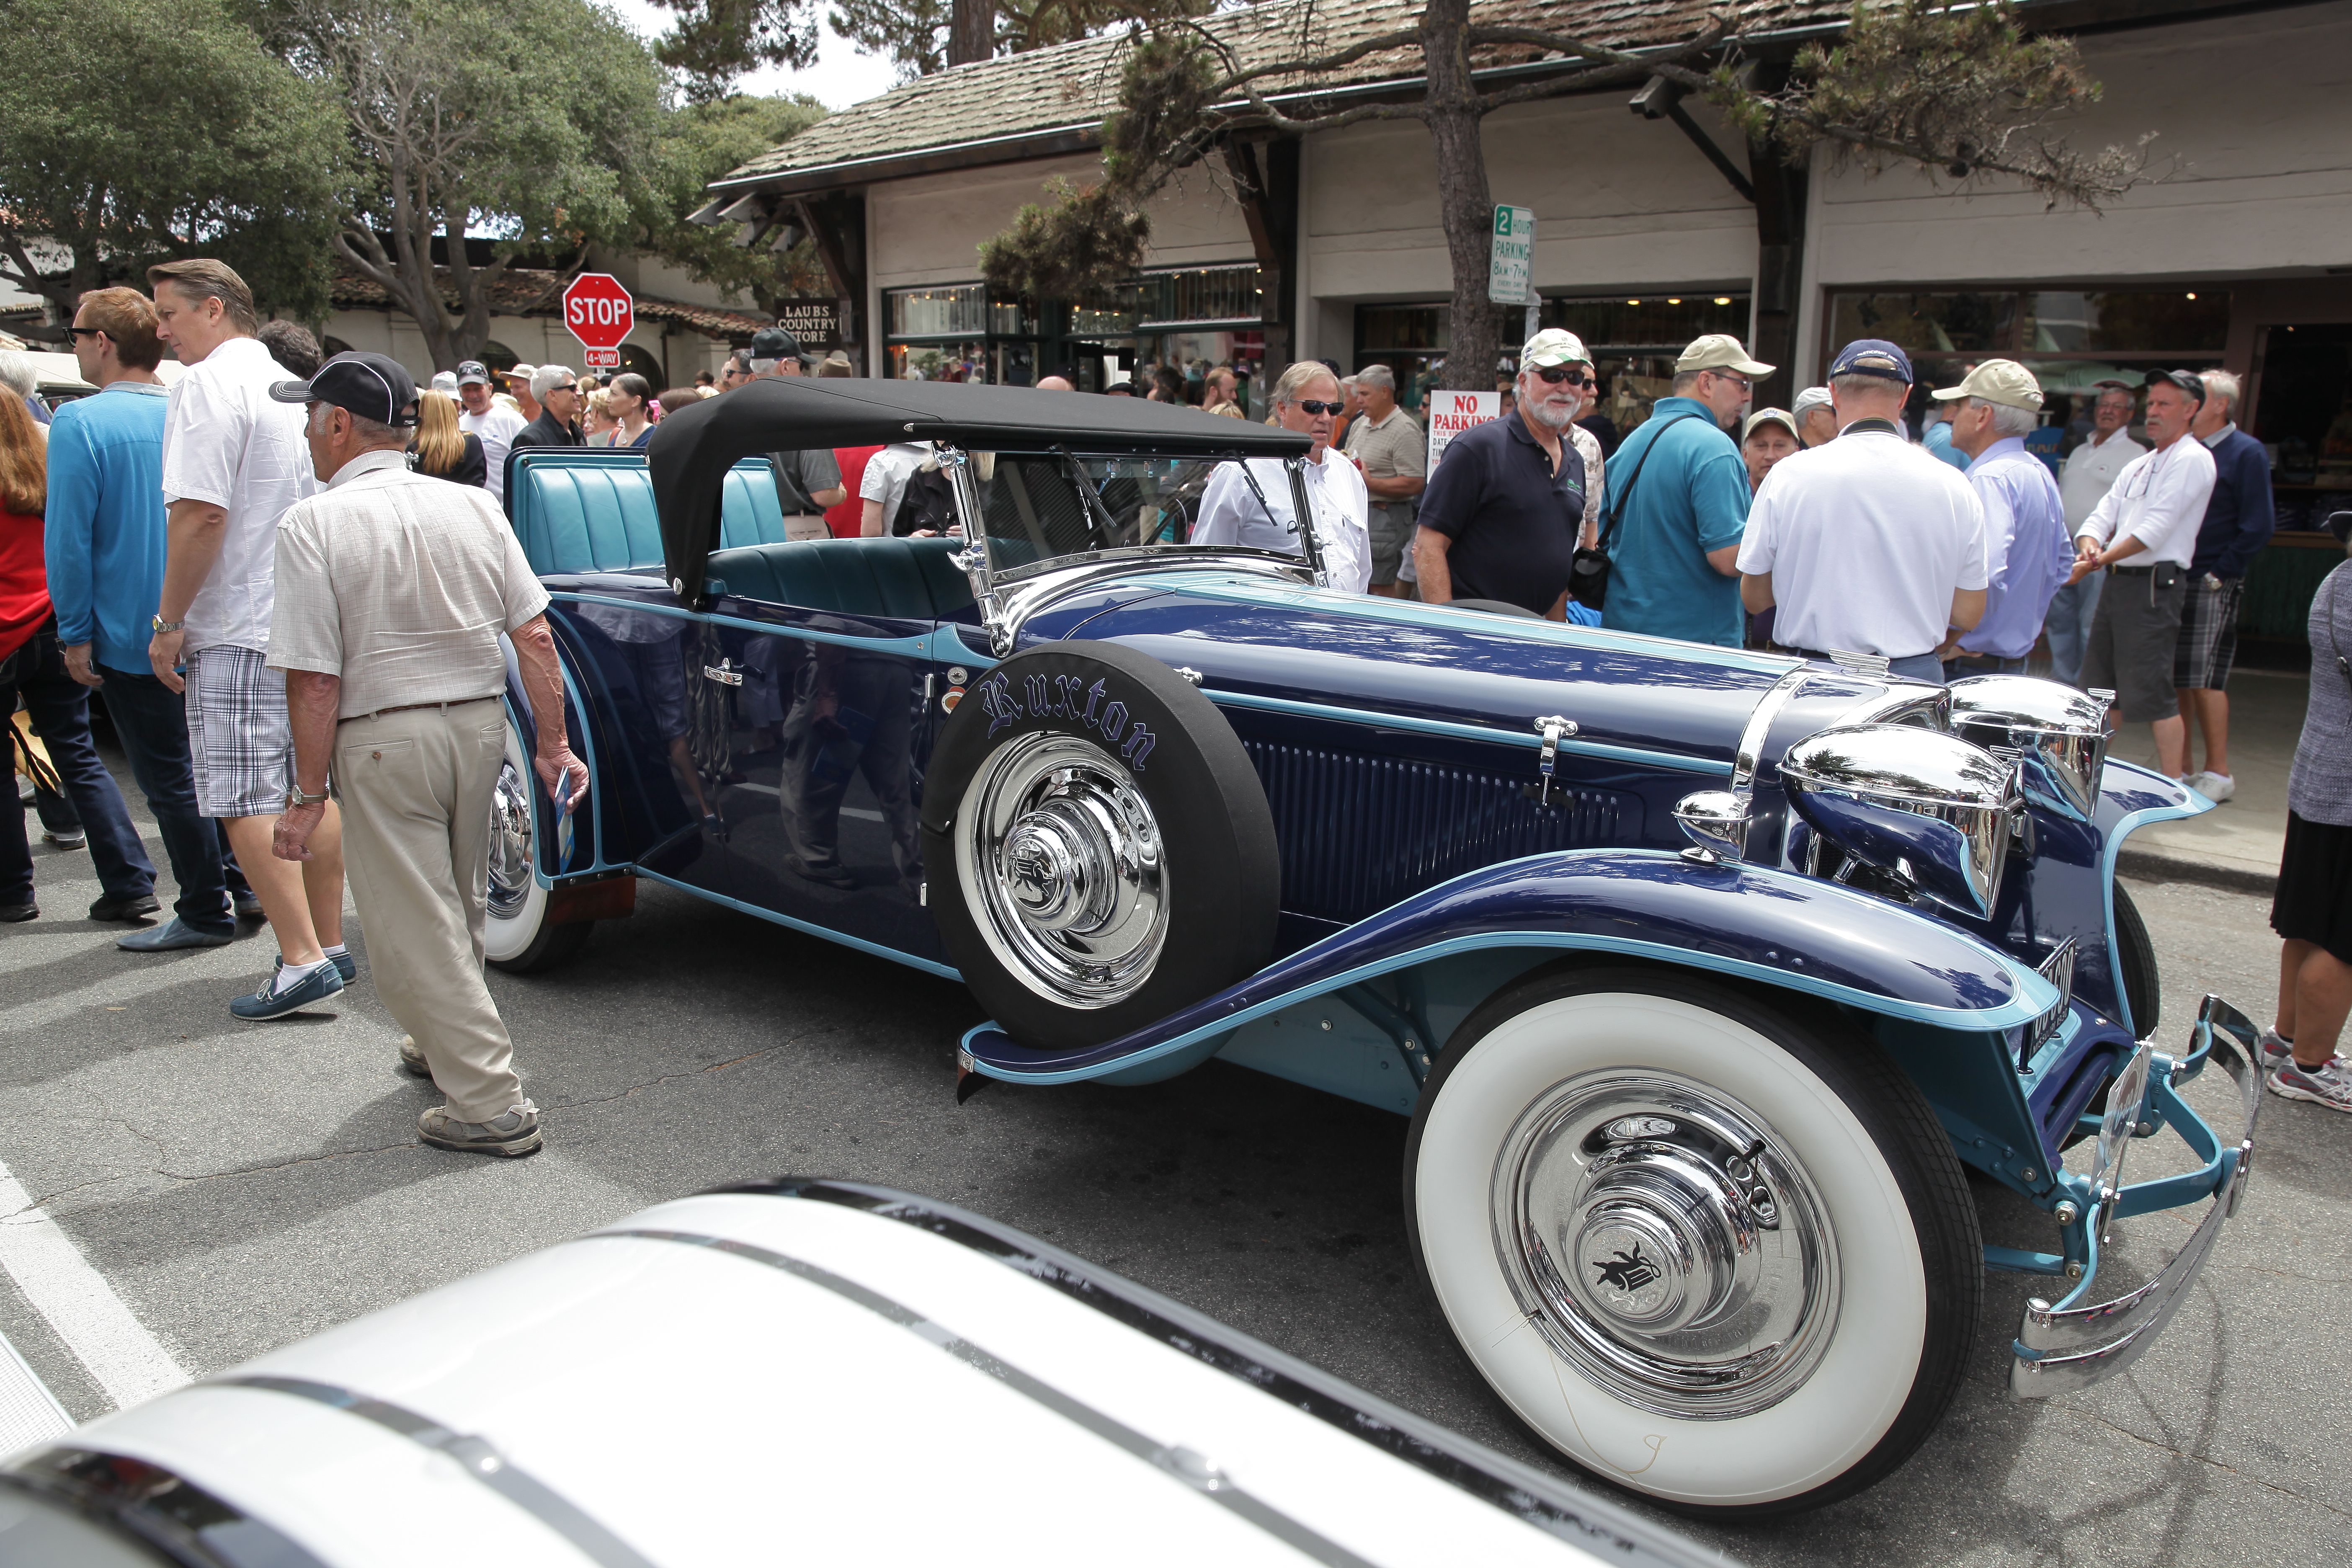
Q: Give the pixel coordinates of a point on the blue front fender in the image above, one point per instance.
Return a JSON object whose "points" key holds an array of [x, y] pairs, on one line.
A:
{"points": [[1750, 922]]}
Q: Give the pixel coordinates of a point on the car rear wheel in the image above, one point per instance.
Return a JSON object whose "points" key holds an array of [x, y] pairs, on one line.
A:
{"points": [[518, 936], [1710, 1249], [1098, 847]]}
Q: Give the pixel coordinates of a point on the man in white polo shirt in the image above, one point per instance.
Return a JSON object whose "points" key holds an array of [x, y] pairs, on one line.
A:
{"points": [[2143, 533], [2084, 480], [1868, 544], [493, 421]]}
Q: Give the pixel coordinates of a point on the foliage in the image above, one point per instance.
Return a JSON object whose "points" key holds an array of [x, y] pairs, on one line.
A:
{"points": [[1079, 245], [532, 120], [713, 42], [132, 130], [1963, 90], [698, 143]]}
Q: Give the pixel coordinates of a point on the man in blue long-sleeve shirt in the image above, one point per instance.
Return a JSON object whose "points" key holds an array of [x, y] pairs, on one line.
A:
{"points": [[2238, 523], [105, 545]]}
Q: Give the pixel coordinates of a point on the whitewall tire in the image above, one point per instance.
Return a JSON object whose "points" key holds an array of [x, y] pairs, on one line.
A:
{"points": [[517, 936], [1710, 1249]]}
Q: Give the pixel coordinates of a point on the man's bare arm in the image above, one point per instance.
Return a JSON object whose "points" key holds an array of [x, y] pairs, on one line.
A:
{"points": [[542, 683], [1726, 559], [1755, 591], [312, 700], [1432, 570], [193, 531], [1968, 607]]}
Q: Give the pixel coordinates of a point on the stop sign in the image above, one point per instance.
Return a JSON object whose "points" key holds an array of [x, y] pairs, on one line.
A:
{"points": [[600, 314]]}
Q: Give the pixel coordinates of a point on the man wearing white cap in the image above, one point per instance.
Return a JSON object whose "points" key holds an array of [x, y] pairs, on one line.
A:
{"points": [[1816, 418], [1679, 505], [2027, 551]]}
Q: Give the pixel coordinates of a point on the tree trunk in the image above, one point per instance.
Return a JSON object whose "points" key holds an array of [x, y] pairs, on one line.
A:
{"points": [[1453, 113], [972, 31]]}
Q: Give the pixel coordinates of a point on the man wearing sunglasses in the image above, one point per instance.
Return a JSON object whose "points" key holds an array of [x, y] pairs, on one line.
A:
{"points": [[1501, 515]]}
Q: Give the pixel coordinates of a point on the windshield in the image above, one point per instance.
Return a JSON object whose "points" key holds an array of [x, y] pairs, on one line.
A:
{"points": [[1041, 507]]}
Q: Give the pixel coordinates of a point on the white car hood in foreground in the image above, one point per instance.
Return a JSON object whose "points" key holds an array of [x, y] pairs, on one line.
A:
{"points": [[820, 1373]]}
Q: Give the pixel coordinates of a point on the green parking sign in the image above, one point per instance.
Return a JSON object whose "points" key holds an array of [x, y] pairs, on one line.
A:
{"points": [[1510, 272]]}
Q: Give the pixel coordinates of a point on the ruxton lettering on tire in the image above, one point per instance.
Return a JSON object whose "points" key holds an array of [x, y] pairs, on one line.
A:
{"points": [[1098, 848]]}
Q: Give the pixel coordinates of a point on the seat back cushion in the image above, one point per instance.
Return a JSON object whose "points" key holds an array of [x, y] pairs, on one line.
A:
{"points": [[597, 514], [906, 579]]}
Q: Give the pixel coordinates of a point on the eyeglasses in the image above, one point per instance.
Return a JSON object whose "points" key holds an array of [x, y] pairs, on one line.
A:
{"points": [[1746, 388], [85, 331], [1558, 374], [1316, 405], [567, 386]]}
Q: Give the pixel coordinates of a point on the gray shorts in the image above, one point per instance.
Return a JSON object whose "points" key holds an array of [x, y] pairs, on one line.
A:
{"points": [[2133, 639], [1391, 529], [239, 736]]}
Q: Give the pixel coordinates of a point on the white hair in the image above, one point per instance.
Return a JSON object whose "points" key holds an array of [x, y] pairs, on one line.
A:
{"points": [[1298, 378], [1375, 375], [17, 374], [2007, 419], [547, 378], [2107, 392], [2220, 383]]}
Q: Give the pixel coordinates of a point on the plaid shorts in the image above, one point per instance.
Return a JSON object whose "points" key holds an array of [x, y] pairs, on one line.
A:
{"points": [[239, 736], [2209, 634]]}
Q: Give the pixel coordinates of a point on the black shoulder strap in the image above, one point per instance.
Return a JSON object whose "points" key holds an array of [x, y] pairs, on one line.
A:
{"points": [[1617, 497]]}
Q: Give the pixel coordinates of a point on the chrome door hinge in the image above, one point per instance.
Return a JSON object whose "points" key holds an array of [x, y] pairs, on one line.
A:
{"points": [[724, 672], [1553, 730]]}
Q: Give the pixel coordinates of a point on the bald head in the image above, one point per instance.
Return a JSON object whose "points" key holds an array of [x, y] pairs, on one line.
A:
{"points": [[1054, 383]]}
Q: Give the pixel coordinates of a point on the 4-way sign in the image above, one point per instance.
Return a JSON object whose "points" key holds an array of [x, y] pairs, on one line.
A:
{"points": [[600, 313]]}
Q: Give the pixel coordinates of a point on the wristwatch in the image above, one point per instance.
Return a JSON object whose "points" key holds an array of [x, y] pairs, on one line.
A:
{"points": [[294, 797], [163, 625]]}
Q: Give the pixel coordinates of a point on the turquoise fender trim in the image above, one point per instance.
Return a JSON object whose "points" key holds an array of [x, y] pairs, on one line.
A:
{"points": [[2174, 801]]}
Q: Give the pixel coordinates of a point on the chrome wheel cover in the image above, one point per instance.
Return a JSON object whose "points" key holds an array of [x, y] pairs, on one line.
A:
{"points": [[1664, 1241], [511, 879], [1063, 868]]}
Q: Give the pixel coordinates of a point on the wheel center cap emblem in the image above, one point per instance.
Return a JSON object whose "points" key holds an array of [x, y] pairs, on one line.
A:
{"points": [[1627, 1273]]}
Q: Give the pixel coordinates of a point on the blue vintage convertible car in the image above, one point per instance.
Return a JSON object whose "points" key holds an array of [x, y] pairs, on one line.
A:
{"points": [[1705, 977]]}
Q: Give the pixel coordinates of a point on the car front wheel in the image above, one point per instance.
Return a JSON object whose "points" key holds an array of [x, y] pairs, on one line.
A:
{"points": [[518, 937], [1710, 1249]]}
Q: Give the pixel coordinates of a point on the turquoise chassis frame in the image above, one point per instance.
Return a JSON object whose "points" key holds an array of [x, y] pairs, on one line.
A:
{"points": [[1369, 1035]]}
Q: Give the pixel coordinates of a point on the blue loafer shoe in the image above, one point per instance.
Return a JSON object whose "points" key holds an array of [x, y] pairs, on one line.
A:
{"points": [[345, 965], [170, 937], [269, 1002]]}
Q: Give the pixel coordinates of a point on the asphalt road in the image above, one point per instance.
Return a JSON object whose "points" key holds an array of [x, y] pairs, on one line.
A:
{"points": [[239, 1186]]}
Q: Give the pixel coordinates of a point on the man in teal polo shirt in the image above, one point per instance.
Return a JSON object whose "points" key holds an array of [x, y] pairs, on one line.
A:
{"points": [[1677, 513]]}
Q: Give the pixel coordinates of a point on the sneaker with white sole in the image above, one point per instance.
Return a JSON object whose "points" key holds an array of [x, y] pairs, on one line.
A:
{"points": [[2215, 787], [2277, 1051], [2330, 1086], [511, 1133]]}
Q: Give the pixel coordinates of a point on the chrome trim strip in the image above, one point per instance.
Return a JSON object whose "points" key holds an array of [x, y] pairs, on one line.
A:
{"points": [[1749, 755], [475, 1456], [1182, 1464], [2061, 1349]]}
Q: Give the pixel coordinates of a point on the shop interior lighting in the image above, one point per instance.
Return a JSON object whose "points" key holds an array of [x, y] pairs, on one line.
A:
{"points": [[1633, 302], [1674, 302], [2192, 294]]}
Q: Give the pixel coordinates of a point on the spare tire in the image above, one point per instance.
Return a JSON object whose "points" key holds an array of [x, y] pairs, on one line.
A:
{"points": [[1098, 847]]}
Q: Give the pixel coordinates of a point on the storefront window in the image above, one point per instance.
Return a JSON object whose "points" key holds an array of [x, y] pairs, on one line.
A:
{"points": [[997, 361], [963, 309], [1202, 296], [1186, 321], [1976, 323], [955, 333], [2170, 321]]}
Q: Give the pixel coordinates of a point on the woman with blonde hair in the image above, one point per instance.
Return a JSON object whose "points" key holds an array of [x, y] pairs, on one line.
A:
{"points": [[442, 449], [1249, 503], [596, 423]]}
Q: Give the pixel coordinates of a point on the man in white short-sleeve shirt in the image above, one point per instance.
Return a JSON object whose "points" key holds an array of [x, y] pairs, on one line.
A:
{"points": [[493, 421], [234, 460], [1868, 544], [884, 484]]}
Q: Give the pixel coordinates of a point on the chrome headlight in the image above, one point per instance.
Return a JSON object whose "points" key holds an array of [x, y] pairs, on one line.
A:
{"points": [[1930, 808], [2057, 733]]}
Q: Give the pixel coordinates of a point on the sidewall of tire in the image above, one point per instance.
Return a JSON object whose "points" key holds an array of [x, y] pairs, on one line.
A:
{"points": [[1824, 1431], [1223, 874], [526, 941]]}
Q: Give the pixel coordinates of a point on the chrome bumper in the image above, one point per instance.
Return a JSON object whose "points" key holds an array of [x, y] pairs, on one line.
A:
{"points": [[2069, 1346]]}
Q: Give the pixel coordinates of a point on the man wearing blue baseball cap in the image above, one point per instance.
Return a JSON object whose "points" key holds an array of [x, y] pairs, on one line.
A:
{"points": [[1867, 545]]}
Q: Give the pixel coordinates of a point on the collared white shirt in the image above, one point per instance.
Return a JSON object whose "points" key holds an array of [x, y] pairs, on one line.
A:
{"points": [[1232, 514], [498, 429], [227, 443], [400, 584], [2159, 499], [1866, 539], [2089, 472]]}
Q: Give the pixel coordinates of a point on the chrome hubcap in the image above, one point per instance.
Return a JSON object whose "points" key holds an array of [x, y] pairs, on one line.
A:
{"points": [[510, 842], [1662, 1240], [1064, 859]]}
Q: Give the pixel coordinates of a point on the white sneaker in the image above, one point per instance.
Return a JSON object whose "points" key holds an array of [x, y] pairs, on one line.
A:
{"points": [[2215, 787], [2275, 1053], [2329, 1086]]}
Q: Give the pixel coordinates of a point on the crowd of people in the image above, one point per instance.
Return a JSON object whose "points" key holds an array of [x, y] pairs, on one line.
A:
{"points": [[233, 569]]}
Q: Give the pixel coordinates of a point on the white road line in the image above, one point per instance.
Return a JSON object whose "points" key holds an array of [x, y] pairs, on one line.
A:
{"points": [[29, 1413], [127, 1360]]}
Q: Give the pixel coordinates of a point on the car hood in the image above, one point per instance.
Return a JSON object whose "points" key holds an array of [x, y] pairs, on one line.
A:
{"points": [[1246, 634]]}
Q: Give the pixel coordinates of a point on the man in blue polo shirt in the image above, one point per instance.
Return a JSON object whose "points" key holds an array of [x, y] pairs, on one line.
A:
{"points": [[105, 543], [1678, 504]]}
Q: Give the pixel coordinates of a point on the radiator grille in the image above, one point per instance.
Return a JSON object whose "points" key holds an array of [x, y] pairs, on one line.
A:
{"points": [[1358, 833]]}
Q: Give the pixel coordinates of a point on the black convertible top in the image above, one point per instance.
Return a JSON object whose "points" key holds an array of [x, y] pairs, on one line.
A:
{"points": [[693, 448]]}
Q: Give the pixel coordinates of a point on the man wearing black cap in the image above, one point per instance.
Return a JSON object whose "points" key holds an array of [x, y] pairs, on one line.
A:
{"points": [[392, 592], [806, 482]]}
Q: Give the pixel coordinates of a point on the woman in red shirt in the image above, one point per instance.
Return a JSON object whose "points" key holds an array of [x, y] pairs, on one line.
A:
{"points": [[33, 667]]}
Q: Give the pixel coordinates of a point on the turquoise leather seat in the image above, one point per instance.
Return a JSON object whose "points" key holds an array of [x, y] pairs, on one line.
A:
{"points": [[578, 510], [906, 579]]}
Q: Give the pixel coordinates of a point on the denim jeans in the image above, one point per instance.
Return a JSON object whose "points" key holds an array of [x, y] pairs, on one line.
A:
{"points": [[60, 709], [151, 722], [1923, 667], [2068, 624]]}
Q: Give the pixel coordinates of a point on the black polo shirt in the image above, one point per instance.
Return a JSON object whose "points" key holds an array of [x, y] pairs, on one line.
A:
{"points": [[1512, 520]]}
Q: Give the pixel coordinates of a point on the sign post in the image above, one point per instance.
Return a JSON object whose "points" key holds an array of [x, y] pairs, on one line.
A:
{"points": [[600, 313], [1510, 268]]}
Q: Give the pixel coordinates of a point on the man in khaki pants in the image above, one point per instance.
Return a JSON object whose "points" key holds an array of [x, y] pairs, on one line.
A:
{"points": [[393, 589]]}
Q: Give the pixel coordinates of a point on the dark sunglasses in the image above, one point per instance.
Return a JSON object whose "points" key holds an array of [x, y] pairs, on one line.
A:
{"points": [[1559, 374], [85, 331], [1316, 405]]}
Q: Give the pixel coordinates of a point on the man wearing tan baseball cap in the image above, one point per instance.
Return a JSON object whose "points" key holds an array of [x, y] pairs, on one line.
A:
{"points": [[2027, 551]]}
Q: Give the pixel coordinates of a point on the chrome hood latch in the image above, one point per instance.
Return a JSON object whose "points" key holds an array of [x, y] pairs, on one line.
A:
{"points": [[1553, 730]]}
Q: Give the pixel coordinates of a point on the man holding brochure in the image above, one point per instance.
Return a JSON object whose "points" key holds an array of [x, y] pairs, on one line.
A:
{"points": [[392, 592]]}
